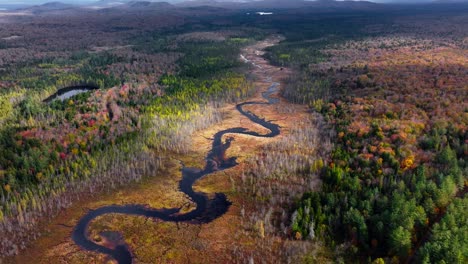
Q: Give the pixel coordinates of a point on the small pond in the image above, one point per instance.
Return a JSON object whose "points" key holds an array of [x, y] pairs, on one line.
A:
{"points": [[68, 92]]}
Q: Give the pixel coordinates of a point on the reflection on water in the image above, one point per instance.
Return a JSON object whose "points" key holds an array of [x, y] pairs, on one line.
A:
{"points": [[70, 94]]}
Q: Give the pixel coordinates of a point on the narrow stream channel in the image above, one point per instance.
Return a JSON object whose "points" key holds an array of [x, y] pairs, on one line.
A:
{"points": [[206, 209]]}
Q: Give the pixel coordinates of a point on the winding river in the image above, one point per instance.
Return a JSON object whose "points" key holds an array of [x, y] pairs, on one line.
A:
{"points": [[206, 209]]}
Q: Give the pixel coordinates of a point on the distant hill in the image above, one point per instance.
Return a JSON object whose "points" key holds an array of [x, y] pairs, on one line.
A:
{"points": [[244, 4], [280, 4], [48, 7], [199, 3], [148, 4], [110, 2], [133, 4], [142, 6], [54, 6], [352, 5]]}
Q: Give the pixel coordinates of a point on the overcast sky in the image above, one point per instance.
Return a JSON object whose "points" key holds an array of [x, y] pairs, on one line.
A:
{"points": [[30, 2]]}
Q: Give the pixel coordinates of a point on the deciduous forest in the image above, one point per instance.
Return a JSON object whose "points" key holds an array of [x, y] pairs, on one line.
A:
{"points": [[108, 106]]}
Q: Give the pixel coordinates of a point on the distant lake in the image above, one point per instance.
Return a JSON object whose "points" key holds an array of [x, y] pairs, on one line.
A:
{"points": [[261, 13], [264, 13]]}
